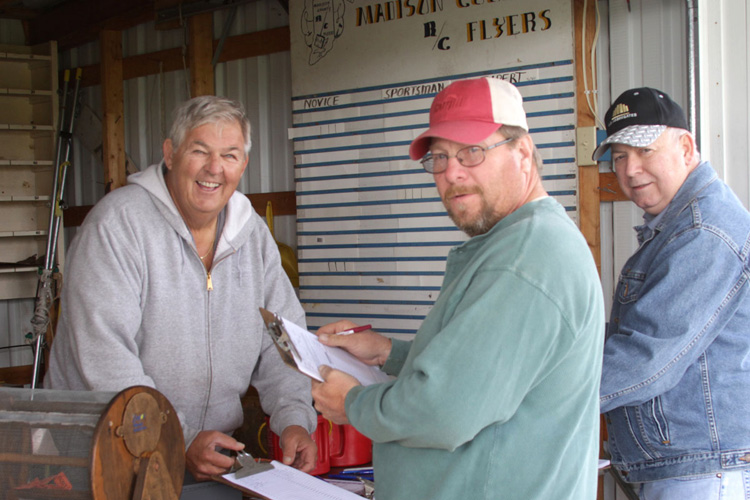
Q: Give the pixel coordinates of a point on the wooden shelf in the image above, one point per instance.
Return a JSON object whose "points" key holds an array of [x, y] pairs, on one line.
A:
{"points": [[23, 126], [27, 163], [22, 234], [25, 92], [19, 269], [18, 198], [22, 53], [28, 121]]}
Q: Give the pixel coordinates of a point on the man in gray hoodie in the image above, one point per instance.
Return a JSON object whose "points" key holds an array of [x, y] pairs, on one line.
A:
{"points": [[163, 284]]}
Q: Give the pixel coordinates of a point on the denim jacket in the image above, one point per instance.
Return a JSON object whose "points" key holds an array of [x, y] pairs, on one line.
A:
{"points": [[676, 370]]}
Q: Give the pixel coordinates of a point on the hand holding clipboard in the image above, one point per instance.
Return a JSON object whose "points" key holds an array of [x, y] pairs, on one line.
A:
{"points": [[301, 349]]}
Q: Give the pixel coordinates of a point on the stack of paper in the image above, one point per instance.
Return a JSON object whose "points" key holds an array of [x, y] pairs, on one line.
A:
{"points": [[285, 483]]}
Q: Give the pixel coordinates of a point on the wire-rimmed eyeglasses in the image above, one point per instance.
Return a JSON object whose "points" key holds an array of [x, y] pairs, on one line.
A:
{"points": [[470, 156]]}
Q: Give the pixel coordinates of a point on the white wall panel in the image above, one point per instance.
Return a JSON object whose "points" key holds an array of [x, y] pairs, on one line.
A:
{"points": [[724, 47]]}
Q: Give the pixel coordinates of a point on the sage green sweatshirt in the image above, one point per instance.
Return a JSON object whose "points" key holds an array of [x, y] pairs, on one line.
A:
{"points": [[497, 396]]}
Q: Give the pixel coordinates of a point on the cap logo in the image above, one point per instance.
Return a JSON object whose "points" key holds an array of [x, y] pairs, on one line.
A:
{"points": [[621, 112], [448, 103], [638, 117]]}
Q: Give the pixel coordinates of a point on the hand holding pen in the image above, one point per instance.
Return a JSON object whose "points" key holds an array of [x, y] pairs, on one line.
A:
{"points": [[356, 329], [369, 347]]}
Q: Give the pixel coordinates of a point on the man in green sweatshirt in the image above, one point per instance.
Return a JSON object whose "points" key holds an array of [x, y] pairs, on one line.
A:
{"points": [[497, 395]]}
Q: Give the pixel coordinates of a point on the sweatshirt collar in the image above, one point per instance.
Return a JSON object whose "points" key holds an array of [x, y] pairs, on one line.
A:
{"points": [[238, 210]]}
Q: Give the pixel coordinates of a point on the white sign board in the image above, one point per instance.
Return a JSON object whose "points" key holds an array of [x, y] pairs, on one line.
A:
{"points": [[373, 234]]}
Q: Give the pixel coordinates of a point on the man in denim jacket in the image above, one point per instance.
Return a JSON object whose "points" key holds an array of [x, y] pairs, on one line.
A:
{"points": [[676, 371]]}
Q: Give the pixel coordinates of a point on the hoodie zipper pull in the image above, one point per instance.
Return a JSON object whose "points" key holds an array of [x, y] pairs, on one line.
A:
{"points": [[209, 283]]}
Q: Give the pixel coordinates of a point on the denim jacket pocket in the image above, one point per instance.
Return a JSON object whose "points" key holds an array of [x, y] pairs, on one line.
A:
{"points": [[659, 421], [629, 286], [652, 433]]}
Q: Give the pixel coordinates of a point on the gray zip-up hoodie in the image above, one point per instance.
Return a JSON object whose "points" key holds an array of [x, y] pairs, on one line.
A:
{"points": [[137, 310]]}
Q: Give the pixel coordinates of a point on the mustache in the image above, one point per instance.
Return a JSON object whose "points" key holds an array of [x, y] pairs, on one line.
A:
{"points": [[454, 191]]}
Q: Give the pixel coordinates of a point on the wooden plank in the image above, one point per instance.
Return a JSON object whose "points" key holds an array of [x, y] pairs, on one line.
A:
{"points": [[113, 121], [73, 216], [588, 176], [11, 9], [25, 458], [284, 203], [16, 375], [200, 53], [237, 47], [609, 188], [76, 22], [170, 14], [137, 66], [255, 44]]}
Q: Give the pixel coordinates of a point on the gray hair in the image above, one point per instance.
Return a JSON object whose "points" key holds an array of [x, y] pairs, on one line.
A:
{"points": [[514, 132], [676, 133], [208, 109]]}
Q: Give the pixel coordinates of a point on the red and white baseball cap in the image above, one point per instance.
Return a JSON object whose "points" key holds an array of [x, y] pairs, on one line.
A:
{"points": [[469, 111]]}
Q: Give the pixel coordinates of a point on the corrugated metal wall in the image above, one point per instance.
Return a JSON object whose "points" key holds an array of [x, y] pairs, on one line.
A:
{"points": [[724, 48], [11, 32]]}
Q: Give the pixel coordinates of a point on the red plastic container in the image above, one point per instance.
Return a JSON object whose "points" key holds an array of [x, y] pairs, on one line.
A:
{"points": [[338, 446], [348, 447]]}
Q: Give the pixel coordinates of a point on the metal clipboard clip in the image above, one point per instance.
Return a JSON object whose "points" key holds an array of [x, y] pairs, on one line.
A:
{"points": [[246, 465], [275, 328]]}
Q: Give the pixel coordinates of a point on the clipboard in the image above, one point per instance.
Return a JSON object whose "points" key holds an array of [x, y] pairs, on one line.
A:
{"points": [[275, 328], [301, 350], [284, 482], [245, 466]]}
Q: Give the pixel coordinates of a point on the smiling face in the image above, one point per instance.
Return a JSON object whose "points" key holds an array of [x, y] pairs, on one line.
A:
{"points": [[476, 198], [651, 176], [203, 172]]}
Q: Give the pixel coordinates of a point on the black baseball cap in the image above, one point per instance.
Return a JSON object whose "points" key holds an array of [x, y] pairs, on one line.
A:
{"points": [[638, 117]]}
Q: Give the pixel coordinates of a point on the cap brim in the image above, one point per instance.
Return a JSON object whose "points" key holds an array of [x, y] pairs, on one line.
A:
{"points": [[637, 136], [465, 132]]}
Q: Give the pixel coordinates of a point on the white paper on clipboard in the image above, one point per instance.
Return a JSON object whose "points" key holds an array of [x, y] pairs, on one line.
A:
{"points": [[309, 354], [284, 482]]}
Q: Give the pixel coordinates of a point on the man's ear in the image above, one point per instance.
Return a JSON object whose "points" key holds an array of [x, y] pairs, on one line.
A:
{"points": [[247, 161], [687, 144], [525, 147], [166, 149]]}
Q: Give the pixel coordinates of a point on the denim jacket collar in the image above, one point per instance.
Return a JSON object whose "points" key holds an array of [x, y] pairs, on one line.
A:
{"points": [[696, 181]]}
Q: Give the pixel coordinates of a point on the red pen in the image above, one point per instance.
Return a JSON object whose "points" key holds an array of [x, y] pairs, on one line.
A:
{"points": [[356, 329]]}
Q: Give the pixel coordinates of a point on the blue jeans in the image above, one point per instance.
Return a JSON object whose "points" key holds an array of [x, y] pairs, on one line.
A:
{"points": [[733, 485], [207, 490]]}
